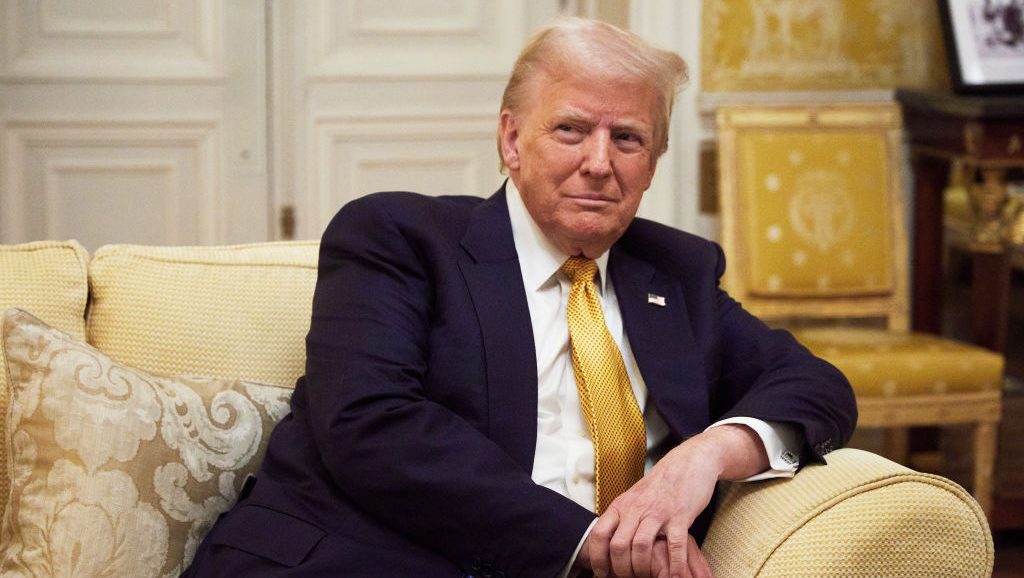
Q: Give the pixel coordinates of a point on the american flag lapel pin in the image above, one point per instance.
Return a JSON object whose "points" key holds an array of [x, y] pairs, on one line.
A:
{"points": [[655, 299]]}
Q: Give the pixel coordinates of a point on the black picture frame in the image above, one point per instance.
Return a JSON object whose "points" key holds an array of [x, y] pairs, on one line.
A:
{"points": [[984, 45]]}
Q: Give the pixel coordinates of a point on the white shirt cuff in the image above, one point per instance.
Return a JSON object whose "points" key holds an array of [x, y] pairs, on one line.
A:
{"points": [[567, 571], [782, 442]]}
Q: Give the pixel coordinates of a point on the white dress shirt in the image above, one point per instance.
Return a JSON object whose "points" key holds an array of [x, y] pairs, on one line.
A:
{"points": [[564, 458]]}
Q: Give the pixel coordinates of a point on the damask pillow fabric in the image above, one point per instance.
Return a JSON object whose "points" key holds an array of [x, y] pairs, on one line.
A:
{"points": [[116, 472]]}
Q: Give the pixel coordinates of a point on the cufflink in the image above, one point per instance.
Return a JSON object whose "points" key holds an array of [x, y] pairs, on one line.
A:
{"points": [[790, 458]]}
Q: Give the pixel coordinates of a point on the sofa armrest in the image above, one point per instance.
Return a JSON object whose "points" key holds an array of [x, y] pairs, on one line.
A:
{"points": [[861, 515]]}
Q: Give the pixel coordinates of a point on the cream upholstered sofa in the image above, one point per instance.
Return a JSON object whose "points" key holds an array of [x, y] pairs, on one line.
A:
{"points": [[241, 313]]}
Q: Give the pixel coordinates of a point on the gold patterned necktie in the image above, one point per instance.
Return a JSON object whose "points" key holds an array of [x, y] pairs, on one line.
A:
{"points": [[613, 417]]}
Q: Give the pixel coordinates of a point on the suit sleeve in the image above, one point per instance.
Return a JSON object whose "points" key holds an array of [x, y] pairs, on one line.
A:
{"points": [[408, 461], [767, 374]]}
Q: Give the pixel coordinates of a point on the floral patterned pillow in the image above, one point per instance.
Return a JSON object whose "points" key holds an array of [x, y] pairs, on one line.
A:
{"points": [[116, 472]]}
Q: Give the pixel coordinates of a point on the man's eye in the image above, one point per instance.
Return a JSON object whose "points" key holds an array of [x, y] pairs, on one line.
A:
{"points": [[565, 128], [627, 137]]}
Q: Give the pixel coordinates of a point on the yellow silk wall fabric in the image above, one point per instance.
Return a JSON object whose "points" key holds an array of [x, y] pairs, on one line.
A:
{"points": [[779, 45]]}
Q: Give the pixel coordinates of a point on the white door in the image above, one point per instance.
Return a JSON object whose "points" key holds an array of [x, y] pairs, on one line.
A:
{"points": [[147, 121], [141, 121], [372, 95], [376, 95]]}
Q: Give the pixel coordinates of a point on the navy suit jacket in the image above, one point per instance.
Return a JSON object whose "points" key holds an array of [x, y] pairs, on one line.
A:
{"points": [[410, 444]]}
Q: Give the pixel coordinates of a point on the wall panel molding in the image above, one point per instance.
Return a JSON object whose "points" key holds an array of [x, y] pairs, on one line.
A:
{"points": [[371, 19], [183, 158], [181, 40], [61, 176], [352, 39], [54, 22], [440, 154]]}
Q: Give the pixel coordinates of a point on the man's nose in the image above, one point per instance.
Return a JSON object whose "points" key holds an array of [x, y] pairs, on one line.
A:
{"points": [[597, 155]]}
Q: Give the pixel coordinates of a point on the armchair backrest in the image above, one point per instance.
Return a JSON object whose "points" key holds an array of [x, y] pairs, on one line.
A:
{"points": [[812, 210]]}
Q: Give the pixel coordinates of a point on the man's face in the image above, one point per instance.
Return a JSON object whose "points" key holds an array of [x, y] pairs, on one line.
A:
{"points": [[581, 155]]}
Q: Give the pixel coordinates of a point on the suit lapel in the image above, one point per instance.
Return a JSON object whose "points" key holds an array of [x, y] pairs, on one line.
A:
{"points": [[496, 287], [662, 342]]}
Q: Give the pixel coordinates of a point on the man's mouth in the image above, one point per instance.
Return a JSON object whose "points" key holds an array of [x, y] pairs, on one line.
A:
{"points": [[591, 198]]}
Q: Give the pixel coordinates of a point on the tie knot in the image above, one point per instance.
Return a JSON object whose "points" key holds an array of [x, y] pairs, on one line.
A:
{"points": [[580, 269]]}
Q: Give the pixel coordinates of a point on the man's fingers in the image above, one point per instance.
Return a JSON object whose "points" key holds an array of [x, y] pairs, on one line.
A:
{"points": [[699, 567], [621, 546], [678, 551], [642, 547], [600, 539], [659, 559]]}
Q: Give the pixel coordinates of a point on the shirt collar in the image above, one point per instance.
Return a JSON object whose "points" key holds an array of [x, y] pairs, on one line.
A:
{"points": [[539, 259]]}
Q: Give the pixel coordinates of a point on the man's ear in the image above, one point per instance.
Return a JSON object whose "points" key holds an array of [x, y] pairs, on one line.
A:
{"points": [[508, 131]]}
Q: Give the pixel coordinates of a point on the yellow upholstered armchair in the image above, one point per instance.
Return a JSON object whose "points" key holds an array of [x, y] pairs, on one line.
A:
{"points": [[813, 225], [237, 316]]}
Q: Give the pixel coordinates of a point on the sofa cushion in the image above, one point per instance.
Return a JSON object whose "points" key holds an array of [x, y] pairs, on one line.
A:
{"points": [[118, 472], [892, 364], [240, 311], [49, 279]]}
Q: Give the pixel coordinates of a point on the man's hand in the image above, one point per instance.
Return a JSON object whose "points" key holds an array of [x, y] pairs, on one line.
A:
{"points": [[696, 565], [645, 531]]}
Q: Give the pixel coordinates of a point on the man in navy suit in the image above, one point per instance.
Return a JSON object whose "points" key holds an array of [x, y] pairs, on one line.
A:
{"points": [[438, 432]]}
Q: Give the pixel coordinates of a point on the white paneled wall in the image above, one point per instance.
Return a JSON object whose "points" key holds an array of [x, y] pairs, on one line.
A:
{"points": [[431, 153], [158, 39], [141, 122], [403, 39], [196, 121], [391, 95], [100, 181]]}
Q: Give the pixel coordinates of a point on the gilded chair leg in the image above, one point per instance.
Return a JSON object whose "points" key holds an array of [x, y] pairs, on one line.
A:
{"points": [[896, 446], [984, 464]]}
